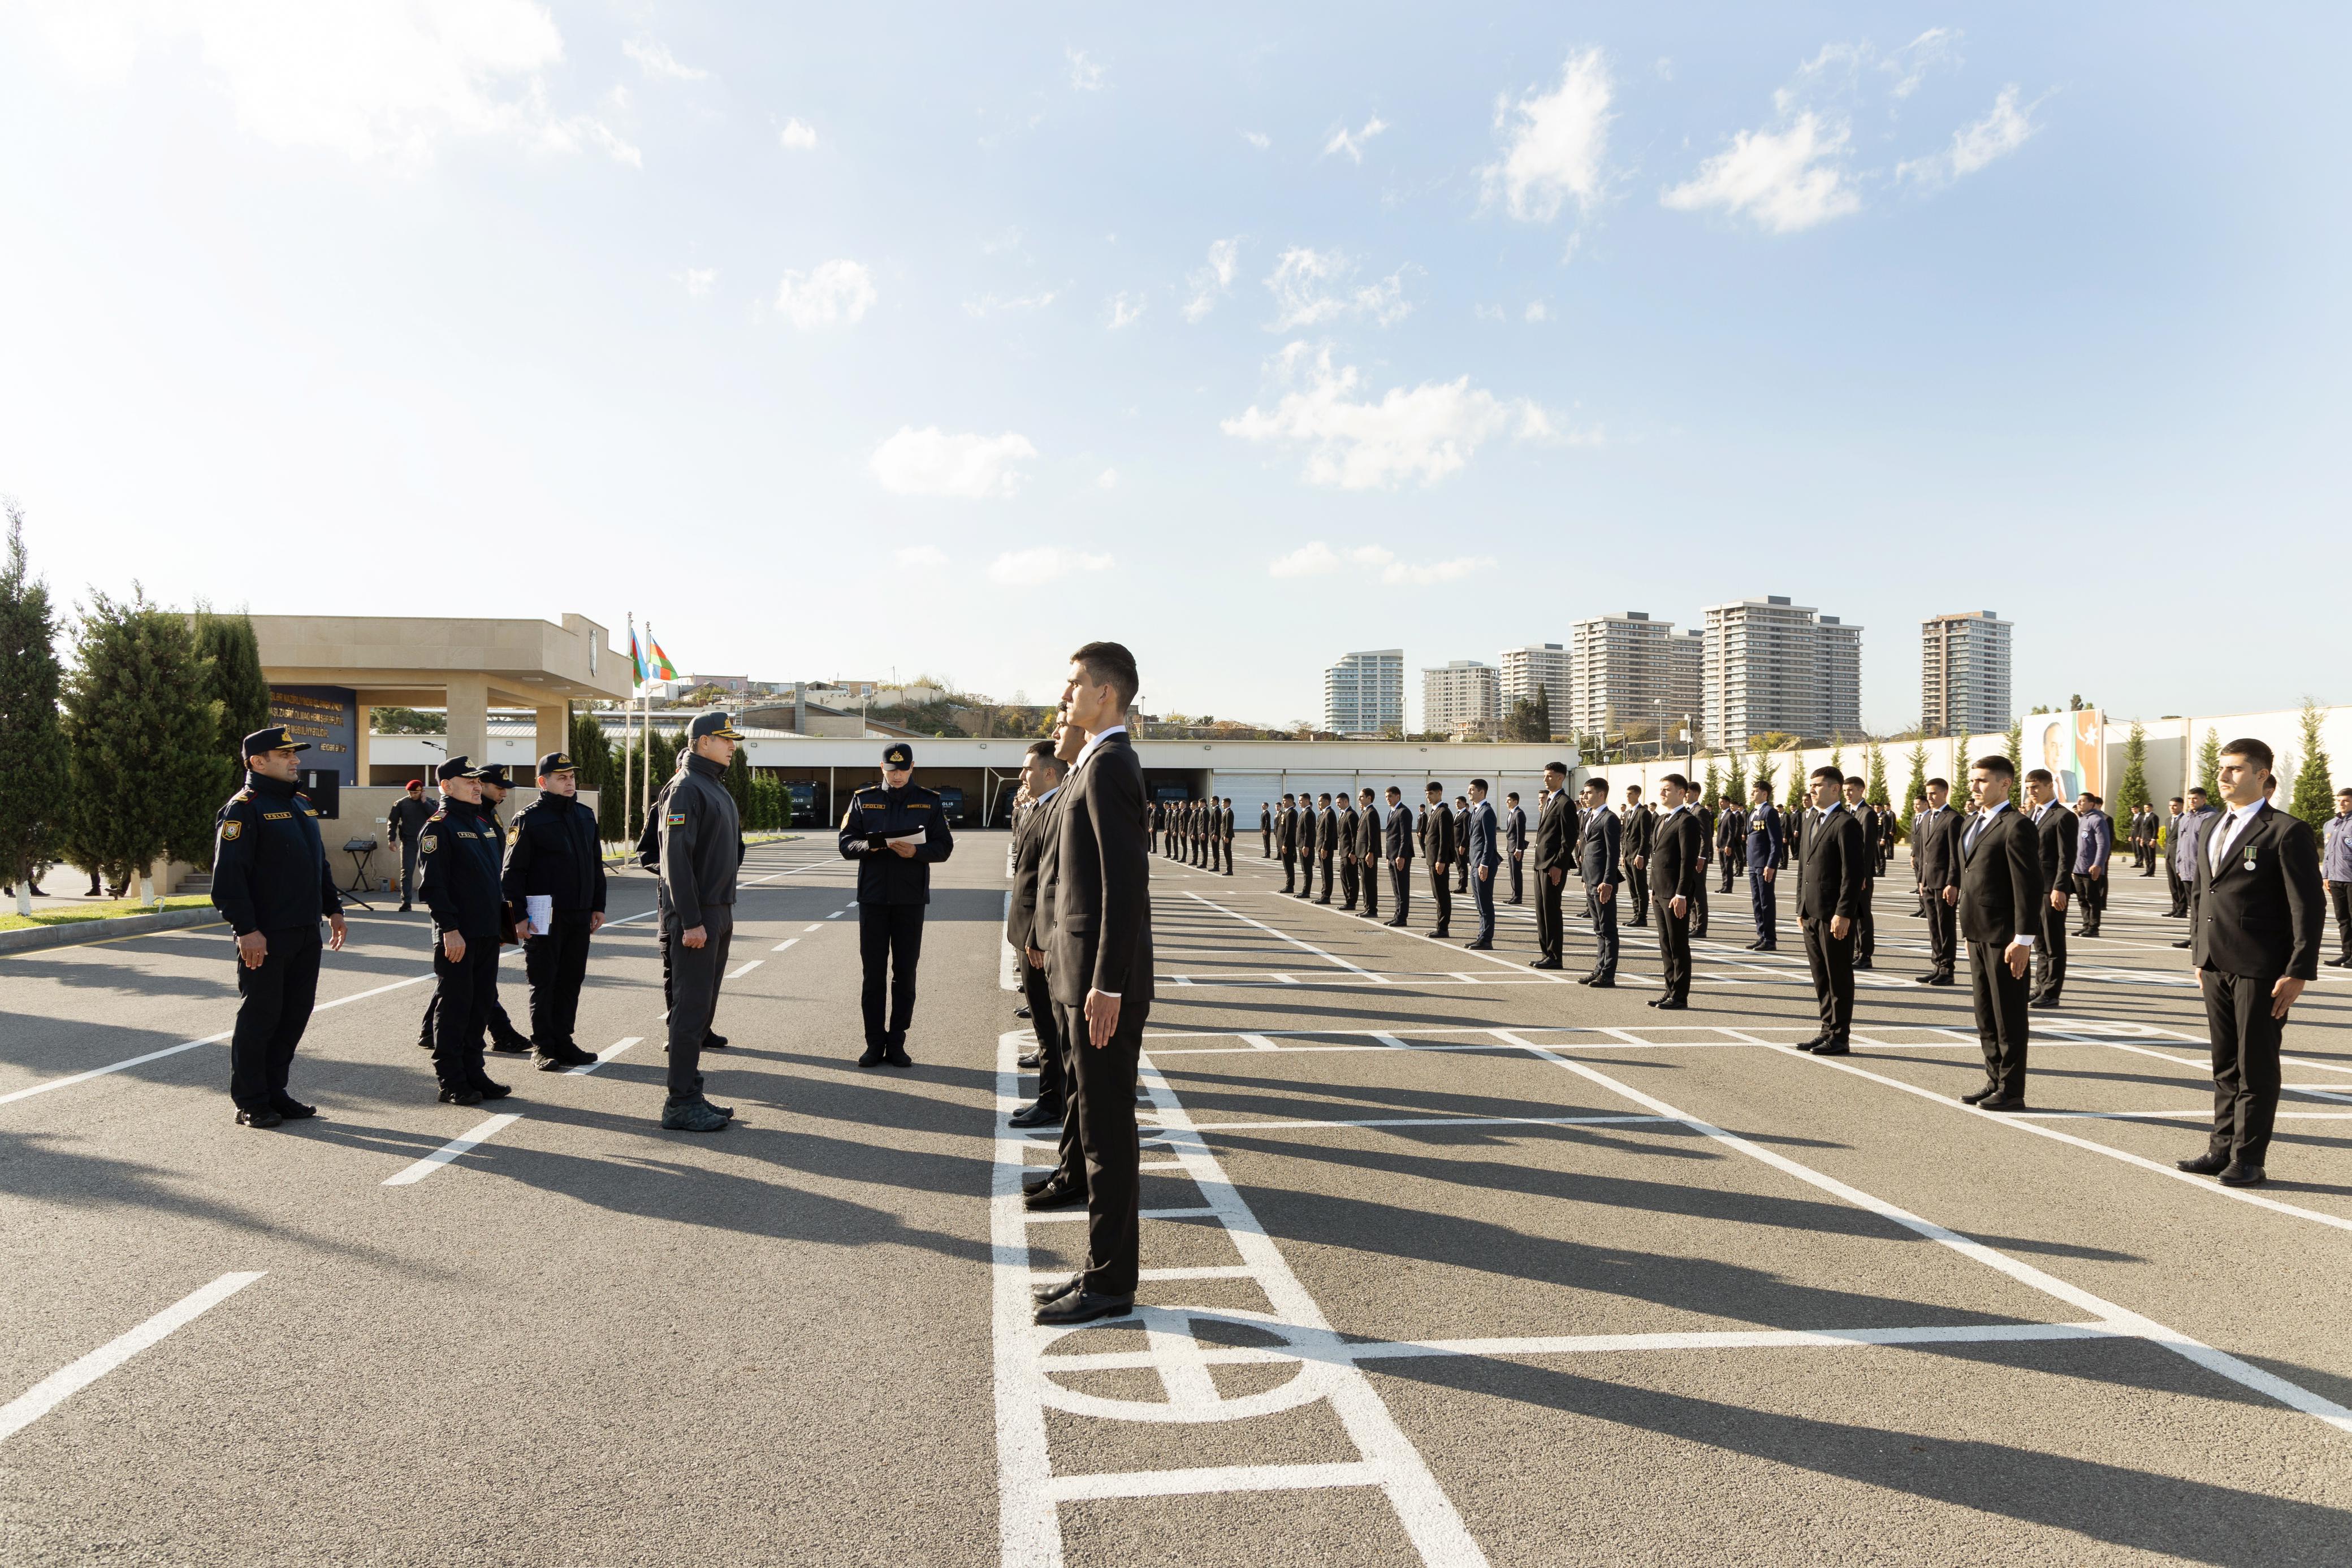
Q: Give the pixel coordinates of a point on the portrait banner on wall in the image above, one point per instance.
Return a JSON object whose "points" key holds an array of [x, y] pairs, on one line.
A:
{"points": [[2071, 746]]}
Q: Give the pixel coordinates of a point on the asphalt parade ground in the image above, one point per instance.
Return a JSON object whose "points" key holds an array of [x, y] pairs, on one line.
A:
{"points": [[1447, 1261]]}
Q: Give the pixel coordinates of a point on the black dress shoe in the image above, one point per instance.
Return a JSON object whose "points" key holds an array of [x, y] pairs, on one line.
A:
{"points": [[1755, 945], [2044, 1004], [873, 1056], [1027, 1061], [425, 1042], [714, 1043], [1603, 982], [1053, 1195], [293, 1110], [1398, 924], [897, 1057], [1547, 964], [2204, 1165], [1987, 1092], [1809, 1044], [1832, 1048], [2184, 941], [1862, 963], [264, 1117], [1082, 1306], [461, 1096], [401, 910], [490, 1091], [513, 1045], [1669, 1004], [1477, 946], [2241, 1174], [1038, 1182], [1041, 1294], [1039, 1113], [1768, 947], [2002, 1102]]}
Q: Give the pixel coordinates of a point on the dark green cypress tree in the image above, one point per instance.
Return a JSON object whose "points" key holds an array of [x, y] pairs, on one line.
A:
{"points": [[1876, 781], [2315, 794], [2208, 767], [235, 678], [1917, 788], [2016, 744], [738, 783], [2132, 793], [142, 732], [32, 747]]}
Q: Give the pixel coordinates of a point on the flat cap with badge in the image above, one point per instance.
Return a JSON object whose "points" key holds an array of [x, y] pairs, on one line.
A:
{"points": [[555, 762], [457, 768], [897, 755], [708, 724], [273, 738], [494, 773]]}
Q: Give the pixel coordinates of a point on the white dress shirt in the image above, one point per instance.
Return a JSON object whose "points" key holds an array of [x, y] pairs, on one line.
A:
{"points": [[1093, 741], [2231, 826]]}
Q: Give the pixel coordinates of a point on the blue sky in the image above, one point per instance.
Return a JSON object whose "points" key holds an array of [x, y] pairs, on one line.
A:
{"points": [[841, 339]]}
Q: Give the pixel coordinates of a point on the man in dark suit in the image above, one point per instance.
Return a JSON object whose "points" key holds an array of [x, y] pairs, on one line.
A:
{"points": [[1439, 852], [2003, 912], [1935, 866], [1699, 808], [2170, 826], [1678, 878], [1225, 832], [2257, 914], [2095, 844], [1730, 838], [1364, 853], [1638, 825], [1601, 865], [1515, 843], [1099, 968], [1396, 852], [1461, 842], [1350, 830], [1482, 853], [1285, 840], [1832, 856], [2055, 832], [1326, 842], [1767, 846], [1041, 775], [2188, 834], [1865, 921], [1265, 829], [1555, 858]]}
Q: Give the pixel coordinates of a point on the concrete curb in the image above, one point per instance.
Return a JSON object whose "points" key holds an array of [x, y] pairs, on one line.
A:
{"points": [[73, 933]]}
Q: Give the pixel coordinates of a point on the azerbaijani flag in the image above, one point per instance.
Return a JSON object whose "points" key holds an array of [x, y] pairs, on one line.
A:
{"points": [[662, 670], [637, 656]]}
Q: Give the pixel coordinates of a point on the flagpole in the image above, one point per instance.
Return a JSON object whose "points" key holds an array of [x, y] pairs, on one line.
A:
{"points": [[629, 745]]}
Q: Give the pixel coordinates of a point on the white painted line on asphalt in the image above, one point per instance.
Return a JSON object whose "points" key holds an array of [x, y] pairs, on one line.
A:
{"points": [[1217, 1478], [66, 1381], [1428, 1122], [811, 925], [2201, 1114], [784, 944], [1259, 1043], [453, 1148], [603, 1056], [191, 1044], [835, 915], [1066, 1216], [1286, 937], [2294, 1396], [743, 969]]}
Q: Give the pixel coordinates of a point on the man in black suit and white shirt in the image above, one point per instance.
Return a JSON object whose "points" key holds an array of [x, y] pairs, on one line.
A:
{"points": [[1098, 967], [2003, 911], [2257, 916], [1396, 850], [1438, 849], [2056, 830], [1601, 863], [1832, 869], [1935, 865], [1637, 825], [1515, 843], [1041, 775], [1555, 858], [1677, 881], [1366, 851]]}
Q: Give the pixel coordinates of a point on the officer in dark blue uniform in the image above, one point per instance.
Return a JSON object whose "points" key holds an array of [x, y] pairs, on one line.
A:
{"points": [[555, 853], [896, 832], [504, 1037], [458, 876], [270, 882]]}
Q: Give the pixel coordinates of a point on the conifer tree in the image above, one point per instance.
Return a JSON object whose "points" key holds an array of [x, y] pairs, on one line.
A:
{"points": [[2208, 767], [234, 678], [1797, 784], [2315, 795], [142, 731], [1874, 788], [2016, 744], [32, 746], [1917, 789], [2132, 793]]}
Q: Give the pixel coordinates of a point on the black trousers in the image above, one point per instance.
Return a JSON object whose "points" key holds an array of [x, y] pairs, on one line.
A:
{"points": [[1766, 903], [2179, 889], [1551, 932], [1730, 867], [1053, 1070], [1637, 886], [695, 976], [1400, 884], [1265, 850], [2246, 1073], [1865, 924], [890, 945], [2050, 956], [2339, 894], [2091, 892], [1461, 875], [466, 990], [1831, 958], [1698, 905], [1348, 869], [1229, 856], [1324, 860], [1370, 875], [1290, 870], [2001, 1018], [556, 965], [1604, 933], [407, 871], [1482, 896], [1519, 875], [1942, 923], [493, 1013], [273, 1008], [1103, 1099], [1673, 949], [1440, 891]]}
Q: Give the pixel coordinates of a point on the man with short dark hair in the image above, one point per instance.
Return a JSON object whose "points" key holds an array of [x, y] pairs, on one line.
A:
{"points": [[1286, 840], [1041, 775], [1639, 825], [1438, 849], [1678, 870], [896, 831], [1515, 841], [1396, 849], [2002, 912], [1866, 922], [1832, 871], [1765, 846], [2335, 866], [1350, 829], [2055, 834], [2095, 842], [1935, 867], [1730, 837], [702, 851], [1365, 852], [1462, 843], [555, 876], [1556, 827], [1265, 829], [458, 876], [2180, 852], [1485, 858], [2257, 916], [1599, 865], [402, 824], [1326, 840]]}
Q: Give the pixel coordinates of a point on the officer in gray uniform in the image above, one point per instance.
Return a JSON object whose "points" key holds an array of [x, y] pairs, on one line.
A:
{"points": [[701, 847], [404, 824], [894, 886]]}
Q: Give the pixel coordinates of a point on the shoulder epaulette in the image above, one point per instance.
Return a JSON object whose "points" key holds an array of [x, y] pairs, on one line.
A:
{"points": [[241, 795], [437, 816]]}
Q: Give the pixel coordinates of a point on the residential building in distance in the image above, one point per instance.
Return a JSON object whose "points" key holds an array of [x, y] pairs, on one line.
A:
{"points": [[1629, 670], [1363, 694], [1463, 700], [1771, 665], [1544, 664], [1964, 673]]}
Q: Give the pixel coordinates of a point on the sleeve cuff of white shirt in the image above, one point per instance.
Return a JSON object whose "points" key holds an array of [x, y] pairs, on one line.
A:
{"points": [[2025, 941]]}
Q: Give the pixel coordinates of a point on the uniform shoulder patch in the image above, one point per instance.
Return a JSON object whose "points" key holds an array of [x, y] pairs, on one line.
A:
{"points": [[231, 827], [242, 795], [430, 842], [676, 819], [437, 816]]}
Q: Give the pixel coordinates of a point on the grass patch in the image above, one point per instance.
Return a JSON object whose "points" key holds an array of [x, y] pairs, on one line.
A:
{"points": [[68, 914]]}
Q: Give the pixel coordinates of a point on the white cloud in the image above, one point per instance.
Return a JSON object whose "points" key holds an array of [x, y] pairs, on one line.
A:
{"points": [[2001, 132], [1315, 559], [1310, 287], [1107, 480], [1425, 432], [798, 136], [836, 291], [657, 60], [380, 84], [1352, 144], [1910, 64], [1537, 311], [1557, 143], [990, 305], [698, 280], [928, 558], [1257, 139], [1784, 180], [1086, 75], [1125, 310], [930, 462], [1210, 281], [1021, 568], [1488, 312]]}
